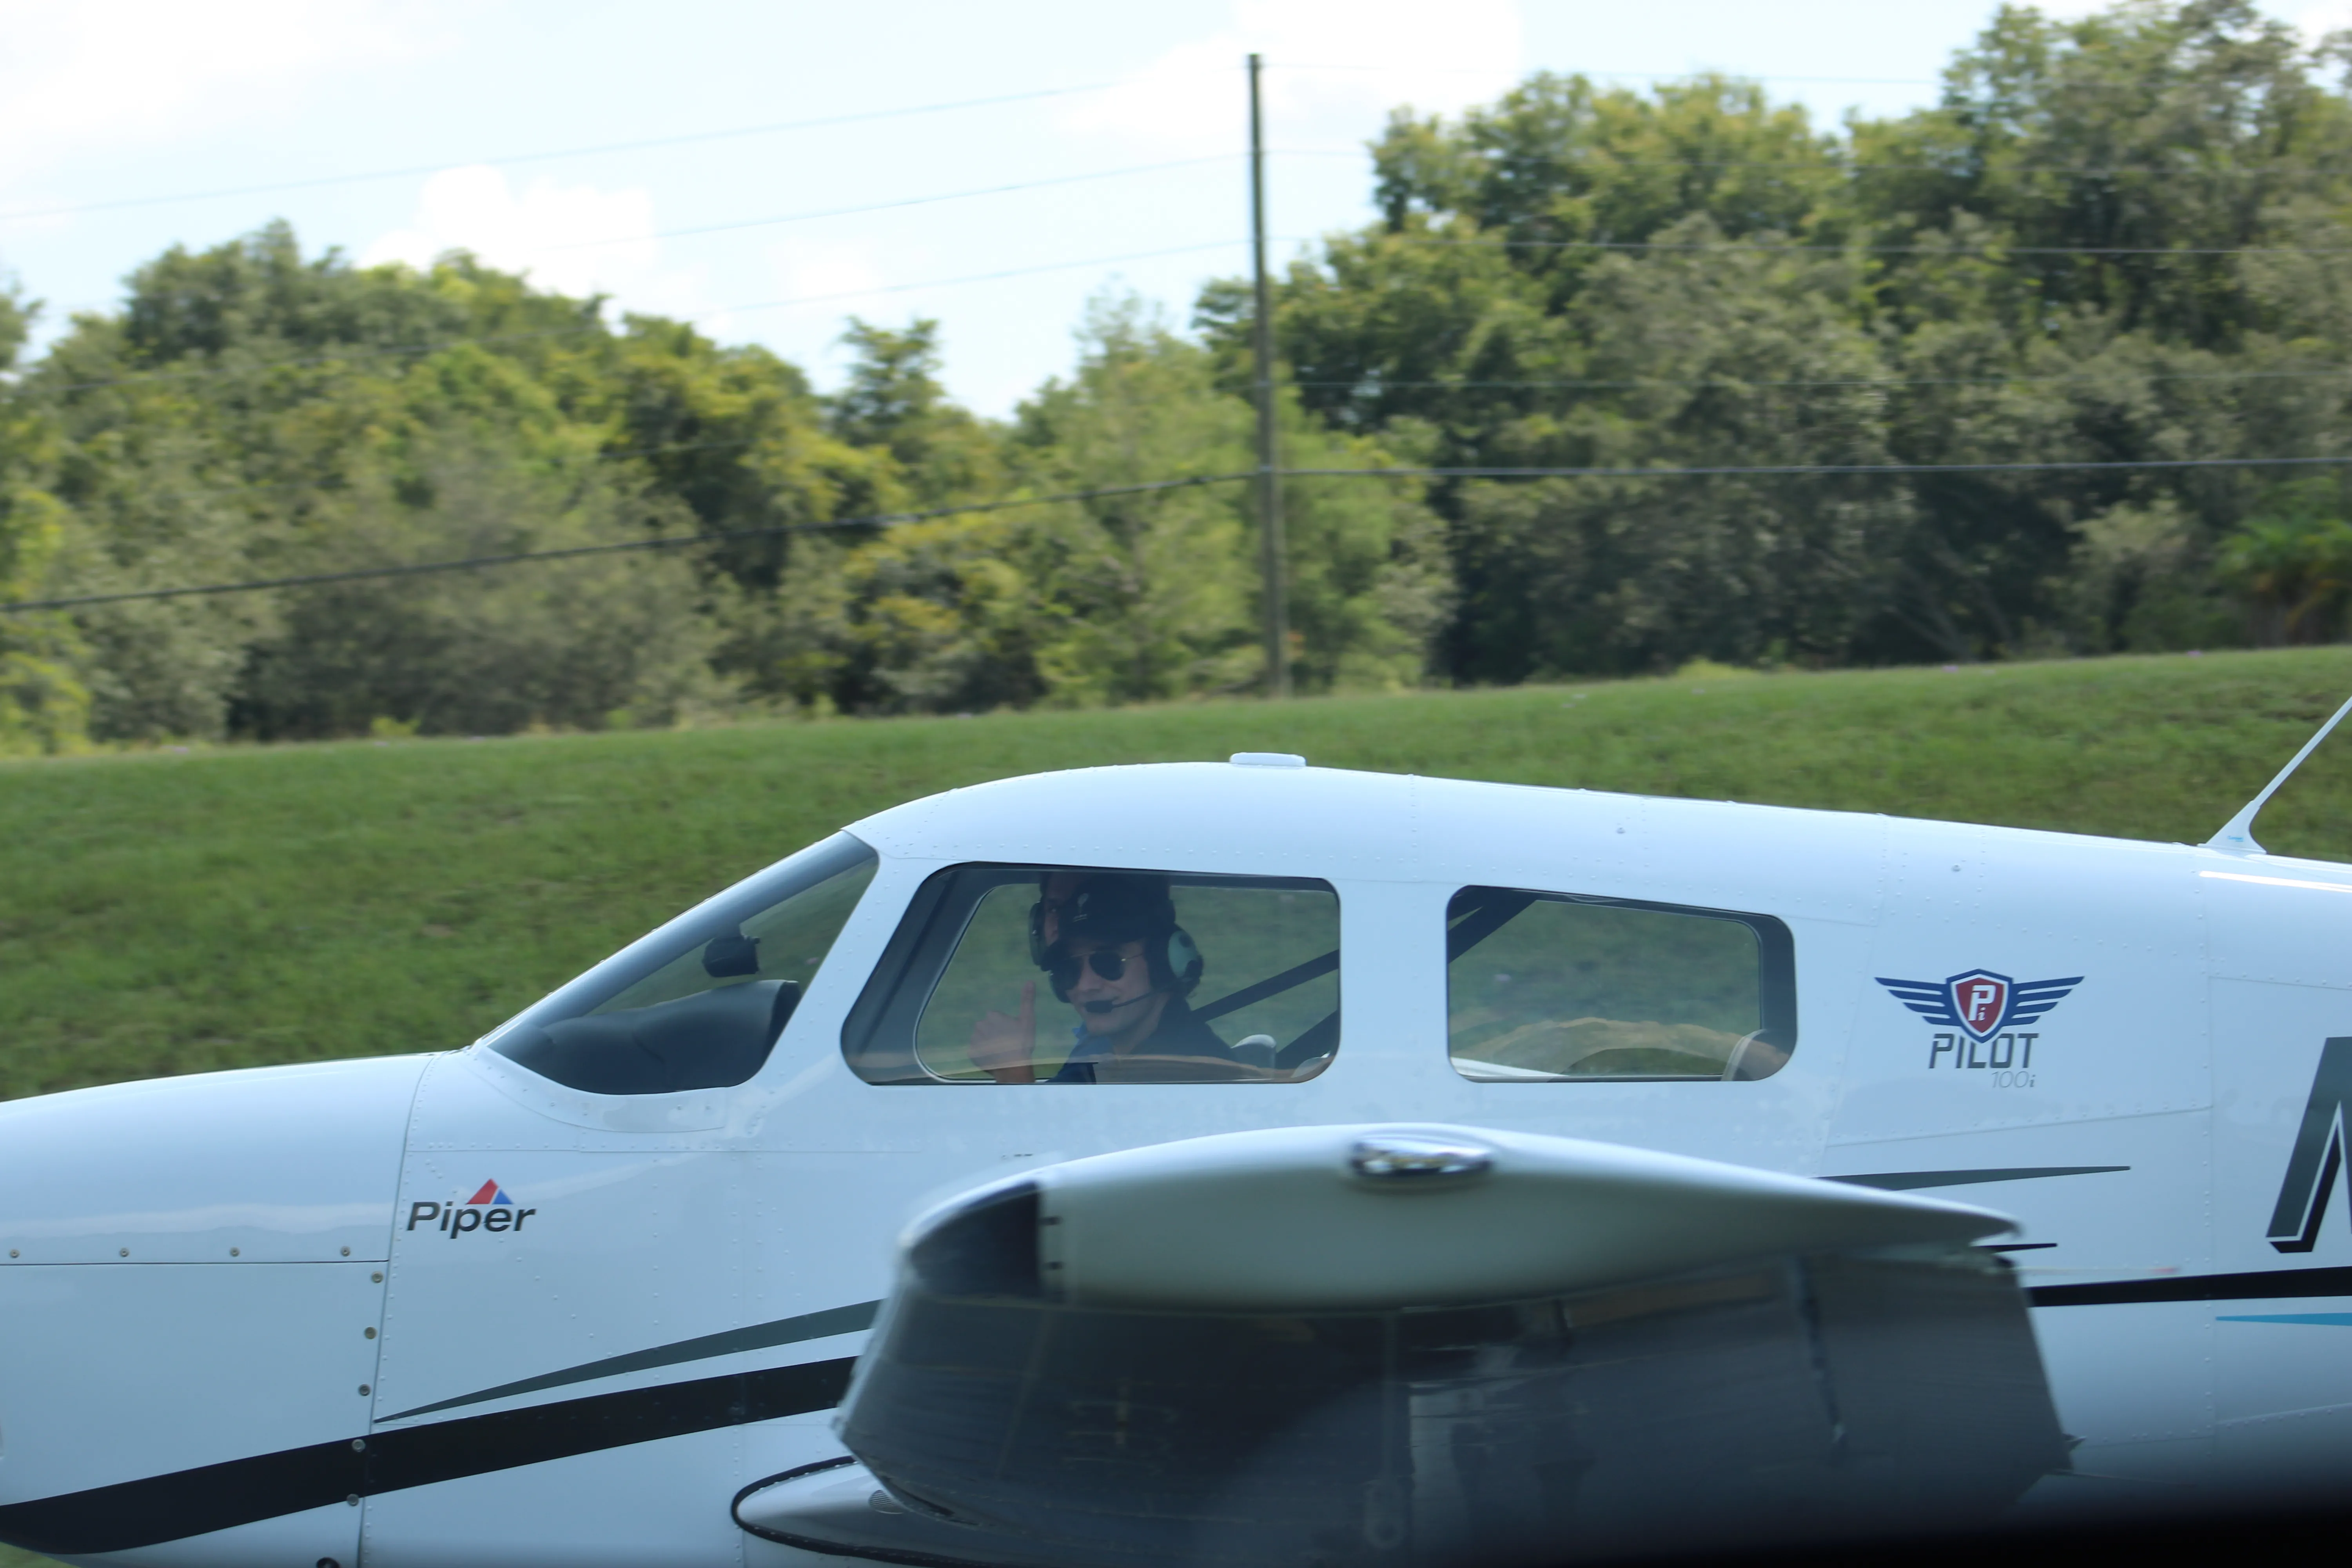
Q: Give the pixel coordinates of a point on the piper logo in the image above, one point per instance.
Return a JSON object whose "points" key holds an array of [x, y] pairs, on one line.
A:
{"points": [[489, 1209]]}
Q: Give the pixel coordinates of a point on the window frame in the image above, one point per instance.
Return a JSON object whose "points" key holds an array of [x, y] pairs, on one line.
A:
{"points": [[1776, 976], [879, 1032]]}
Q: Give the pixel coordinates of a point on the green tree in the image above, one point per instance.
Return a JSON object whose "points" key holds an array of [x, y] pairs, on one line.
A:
{"points": [[1159, 593], [737, 434], [252, 413], [44, 707], [894, 403], [587, 643], [2294, 563], [2151, 138]]}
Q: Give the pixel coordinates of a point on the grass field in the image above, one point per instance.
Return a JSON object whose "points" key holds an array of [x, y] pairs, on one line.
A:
{"points": [[167, 912]]}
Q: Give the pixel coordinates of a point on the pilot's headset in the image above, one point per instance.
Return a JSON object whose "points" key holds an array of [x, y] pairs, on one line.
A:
{"points": [[1114, 908]]}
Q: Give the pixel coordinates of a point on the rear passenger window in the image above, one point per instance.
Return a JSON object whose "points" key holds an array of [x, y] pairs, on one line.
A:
{"points": [[1056, 974], [1543, 987]]}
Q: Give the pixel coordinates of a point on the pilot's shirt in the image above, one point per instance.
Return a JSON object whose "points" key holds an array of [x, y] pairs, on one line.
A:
{"points": [[1182, 1050]]}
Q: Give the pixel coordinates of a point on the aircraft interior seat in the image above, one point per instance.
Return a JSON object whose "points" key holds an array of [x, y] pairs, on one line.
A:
{"points": [[712, 1039]]}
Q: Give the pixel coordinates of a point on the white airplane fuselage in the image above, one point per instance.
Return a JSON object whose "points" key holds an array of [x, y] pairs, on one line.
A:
{"points": [[440, 1310]]}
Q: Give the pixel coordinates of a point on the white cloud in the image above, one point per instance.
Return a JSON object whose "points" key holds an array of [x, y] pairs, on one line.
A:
{"points": [[1333, 67], [2312, 18], [838, 280], [1402, 51], [575, 240], [817, 270], [109, 72], [2316, 21], [817, 284]]}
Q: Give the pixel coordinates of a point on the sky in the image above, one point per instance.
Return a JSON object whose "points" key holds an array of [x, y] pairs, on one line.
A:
{"points": [[769, 171]]}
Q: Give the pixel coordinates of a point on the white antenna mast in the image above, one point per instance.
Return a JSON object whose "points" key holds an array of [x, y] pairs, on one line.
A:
{"points": [[2236, 834]]}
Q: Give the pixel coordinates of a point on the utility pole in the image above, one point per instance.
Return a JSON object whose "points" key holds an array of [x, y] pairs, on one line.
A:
{"points": [[1269, 480]]}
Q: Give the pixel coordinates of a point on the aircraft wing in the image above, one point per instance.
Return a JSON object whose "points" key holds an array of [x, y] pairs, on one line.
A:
{"points": [[1424, 1345]]}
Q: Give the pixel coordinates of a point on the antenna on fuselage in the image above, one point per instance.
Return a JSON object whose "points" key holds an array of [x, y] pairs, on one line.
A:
{"points": [[2238, 834]]}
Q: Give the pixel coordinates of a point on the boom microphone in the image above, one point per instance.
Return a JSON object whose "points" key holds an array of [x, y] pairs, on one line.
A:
{"points": [[1115, 1007]]}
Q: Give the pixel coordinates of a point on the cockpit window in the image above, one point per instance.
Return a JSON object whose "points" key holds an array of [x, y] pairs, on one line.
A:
{"points": [[700, 1001], [1553, 986], [1032, 974]]}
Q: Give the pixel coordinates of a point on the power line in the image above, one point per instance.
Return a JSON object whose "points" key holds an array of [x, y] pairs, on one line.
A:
{"points": [[302, 362], [1996, 250], [968, 278], [671, 542], [1613, 76], [232, 489], [685, 138], [892, 520], [890, 206], [1375, 382], [1743, 78], [780, 127], [339, 356], [342, 355], [1737, 469], [1600, 161]]}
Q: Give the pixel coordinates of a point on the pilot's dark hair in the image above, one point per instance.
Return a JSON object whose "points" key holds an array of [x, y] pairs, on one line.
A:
{"points": [[1115, 907]]}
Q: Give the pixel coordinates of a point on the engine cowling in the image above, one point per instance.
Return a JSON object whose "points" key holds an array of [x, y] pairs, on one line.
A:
{"points": [[1429, 1345]]}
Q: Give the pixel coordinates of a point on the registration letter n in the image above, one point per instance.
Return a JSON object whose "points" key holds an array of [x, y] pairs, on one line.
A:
{"points": [[2318, 1153]]}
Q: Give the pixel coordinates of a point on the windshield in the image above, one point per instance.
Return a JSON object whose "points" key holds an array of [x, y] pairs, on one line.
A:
{"points": [[699, 1003]]}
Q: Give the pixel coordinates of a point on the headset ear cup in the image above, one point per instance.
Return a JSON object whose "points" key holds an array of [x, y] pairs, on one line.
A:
{"points": [[1184, 960], [1037, 935]]}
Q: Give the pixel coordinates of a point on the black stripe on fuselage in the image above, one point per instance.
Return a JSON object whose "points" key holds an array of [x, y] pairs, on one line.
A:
{"points": [[2253, 1286], [2260, 1284], [267, 1486], [851, 1319], [1912, 1181]]}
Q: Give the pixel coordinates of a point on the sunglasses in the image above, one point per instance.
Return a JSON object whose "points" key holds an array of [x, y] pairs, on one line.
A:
{"points": [[1103, 961]]}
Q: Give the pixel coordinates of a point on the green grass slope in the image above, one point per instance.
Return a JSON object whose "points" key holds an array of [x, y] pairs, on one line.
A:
{"points": [[167, 913]]}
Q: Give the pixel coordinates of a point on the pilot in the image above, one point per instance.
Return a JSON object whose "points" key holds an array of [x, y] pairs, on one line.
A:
{"points": [[1110, 947]]}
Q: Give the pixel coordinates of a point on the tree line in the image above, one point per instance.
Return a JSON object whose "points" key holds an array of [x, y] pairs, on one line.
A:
{"points": [[2114, 241]]}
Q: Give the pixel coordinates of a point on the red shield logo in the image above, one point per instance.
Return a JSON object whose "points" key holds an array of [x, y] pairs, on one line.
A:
{"points": [[1981, 1001]]}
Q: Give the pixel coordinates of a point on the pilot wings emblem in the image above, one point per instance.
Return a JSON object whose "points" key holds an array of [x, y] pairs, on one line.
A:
{"points": [[1979, 1002]]}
